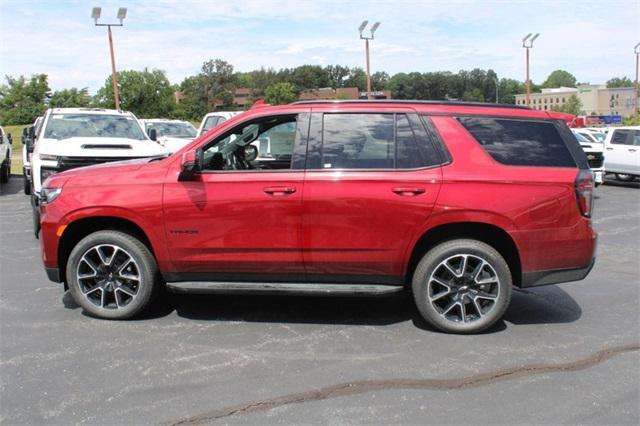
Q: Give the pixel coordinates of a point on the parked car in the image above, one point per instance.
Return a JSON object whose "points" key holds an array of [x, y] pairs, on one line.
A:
{"points": [[456, 202], [622, 147], [591, 136], [77, 137], [6, 140], [212, 119], [595, 155], [172, 134], [29, 138]]}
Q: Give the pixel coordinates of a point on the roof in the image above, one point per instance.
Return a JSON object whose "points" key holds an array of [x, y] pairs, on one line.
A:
{"points": [[412, 102], [161, 120], [89, 111]]}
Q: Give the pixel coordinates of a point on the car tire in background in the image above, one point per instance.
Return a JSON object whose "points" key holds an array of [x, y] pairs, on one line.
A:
{"points": [[462, 286], [26, 185], [5, 171], [112, 275]]}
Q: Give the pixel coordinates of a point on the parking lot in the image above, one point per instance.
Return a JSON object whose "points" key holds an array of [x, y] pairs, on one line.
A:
{"points": [[563, 354]]}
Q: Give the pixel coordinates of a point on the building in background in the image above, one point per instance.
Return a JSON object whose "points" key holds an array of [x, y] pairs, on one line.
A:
{"points": [[596, 99]]}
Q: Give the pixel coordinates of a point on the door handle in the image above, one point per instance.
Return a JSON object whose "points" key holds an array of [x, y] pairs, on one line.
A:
{"points": [[609, 149], [632, 150], [279, 190], [408, 191]]}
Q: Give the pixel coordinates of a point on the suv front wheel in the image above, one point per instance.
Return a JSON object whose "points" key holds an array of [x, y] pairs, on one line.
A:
{"points": [[462, 286], [112, 275]]}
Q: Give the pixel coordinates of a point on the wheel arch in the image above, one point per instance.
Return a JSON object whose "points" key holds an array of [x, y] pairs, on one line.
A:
{"points": [[490, 234], [80, 228]]}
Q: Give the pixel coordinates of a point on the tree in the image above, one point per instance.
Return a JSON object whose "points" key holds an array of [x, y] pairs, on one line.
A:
{"points": [[560, 78], [281, 93], [572, 106], [619, 82], [474, 94], [70, 98], [148, 94], [22, 101], [218, 82], [508, 89]]}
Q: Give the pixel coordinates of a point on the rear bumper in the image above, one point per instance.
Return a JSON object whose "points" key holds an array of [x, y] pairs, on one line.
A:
{"points": [[539, 278]]}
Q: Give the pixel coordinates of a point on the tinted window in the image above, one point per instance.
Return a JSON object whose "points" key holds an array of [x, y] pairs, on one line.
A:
{"points": [[408, 153], [520, 142], [620, 136], [358, 141], [635, 138]]}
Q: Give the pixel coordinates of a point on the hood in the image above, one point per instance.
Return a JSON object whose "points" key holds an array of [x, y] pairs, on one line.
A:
{"points": [[101, 147], [173, 144], [113, 167]]}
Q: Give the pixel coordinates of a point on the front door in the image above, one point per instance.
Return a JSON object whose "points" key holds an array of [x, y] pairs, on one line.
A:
{"points": [[622, 153], [371, 182], [240, 218]]}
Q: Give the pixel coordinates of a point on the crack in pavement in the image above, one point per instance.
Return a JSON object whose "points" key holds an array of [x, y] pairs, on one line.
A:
{"points": [[359, 387]]}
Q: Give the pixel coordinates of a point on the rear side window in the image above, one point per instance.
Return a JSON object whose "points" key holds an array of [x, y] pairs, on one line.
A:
{"points": [[371, 141], [520, 142], [620, 137]]}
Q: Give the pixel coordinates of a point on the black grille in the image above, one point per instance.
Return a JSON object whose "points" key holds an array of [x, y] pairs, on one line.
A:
{"points": [[66, 163], [596, 159]]}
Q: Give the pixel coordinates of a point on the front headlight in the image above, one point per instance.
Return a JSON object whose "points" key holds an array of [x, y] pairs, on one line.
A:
{"points": [[48, 195]]}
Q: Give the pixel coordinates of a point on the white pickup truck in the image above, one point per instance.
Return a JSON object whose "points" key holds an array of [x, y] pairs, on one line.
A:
{"points": [[77, 137], [212, 119], [622, 151], [6, 141], [172, 134], [595, 154]]}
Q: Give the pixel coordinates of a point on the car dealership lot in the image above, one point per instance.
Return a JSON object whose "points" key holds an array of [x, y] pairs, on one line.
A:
{"points": [[565, 353]]}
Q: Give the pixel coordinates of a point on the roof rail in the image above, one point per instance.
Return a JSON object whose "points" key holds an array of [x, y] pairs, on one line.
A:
{"points": [[405, 101]]}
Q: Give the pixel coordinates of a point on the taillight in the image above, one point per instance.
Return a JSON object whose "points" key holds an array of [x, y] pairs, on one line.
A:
{"points": [[584, 191]]}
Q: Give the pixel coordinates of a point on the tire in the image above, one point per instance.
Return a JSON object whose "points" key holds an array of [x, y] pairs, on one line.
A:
{"points": [[35, 218], [26, 185], [482, 298], [624, 177], [4, 172], [113, 258]]}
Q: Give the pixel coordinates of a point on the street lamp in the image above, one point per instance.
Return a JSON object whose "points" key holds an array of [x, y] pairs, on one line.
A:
{"points": [[497, 83], [121, 15], [528, 45], [366, 44], [636, 50]]}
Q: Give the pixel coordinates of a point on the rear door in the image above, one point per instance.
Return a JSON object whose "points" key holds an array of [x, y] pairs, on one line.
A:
{"points": [[371, 181], [622, 153]]}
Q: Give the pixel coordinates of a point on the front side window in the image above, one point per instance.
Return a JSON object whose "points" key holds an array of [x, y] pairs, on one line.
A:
{"points": [[520, 142], [265, 144], [620, 136], [66, 126]]}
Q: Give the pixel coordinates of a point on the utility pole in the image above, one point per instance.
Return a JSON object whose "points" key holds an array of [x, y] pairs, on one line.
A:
{"points": [[528, 46], [122, 14], [366, 49], [636, 50]]}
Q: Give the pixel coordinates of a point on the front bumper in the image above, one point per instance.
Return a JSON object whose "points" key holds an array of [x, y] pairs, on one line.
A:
{"points": [[556, 276]]}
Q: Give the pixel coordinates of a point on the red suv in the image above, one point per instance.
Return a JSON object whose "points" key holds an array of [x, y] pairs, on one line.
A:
{"points": [[457, 202]]}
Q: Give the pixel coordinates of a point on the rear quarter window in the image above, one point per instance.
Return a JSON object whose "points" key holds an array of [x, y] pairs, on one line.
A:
{"points": [[520, 142]]}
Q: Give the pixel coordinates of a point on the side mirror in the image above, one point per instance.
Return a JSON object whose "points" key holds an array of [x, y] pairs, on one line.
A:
{"points": [[10, 137], [190, 165], [153, 134]]}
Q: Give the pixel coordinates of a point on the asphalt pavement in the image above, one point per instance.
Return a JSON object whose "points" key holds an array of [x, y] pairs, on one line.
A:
{"points": [[565, 353]]}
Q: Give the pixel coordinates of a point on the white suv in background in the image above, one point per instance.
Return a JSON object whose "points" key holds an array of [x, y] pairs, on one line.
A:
{"points": [[77, 137], [622, 150], [5, 156], [212, 119], [595, 155], [172, 134]]}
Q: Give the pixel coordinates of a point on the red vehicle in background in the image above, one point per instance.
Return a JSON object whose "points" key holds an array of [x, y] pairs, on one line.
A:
{"points": [[454, 202]]}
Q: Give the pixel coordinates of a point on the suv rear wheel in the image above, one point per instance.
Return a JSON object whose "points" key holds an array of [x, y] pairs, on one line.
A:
{"points": [[112, 275], [462, 286], [5, 172]]}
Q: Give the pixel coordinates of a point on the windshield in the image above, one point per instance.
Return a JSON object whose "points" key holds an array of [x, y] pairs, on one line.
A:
{"points": [[581, 138], [65, 126], [598, 136], [174, 129]]}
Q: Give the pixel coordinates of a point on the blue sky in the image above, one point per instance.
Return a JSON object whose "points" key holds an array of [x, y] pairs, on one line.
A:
{"points": [[593, 40]]}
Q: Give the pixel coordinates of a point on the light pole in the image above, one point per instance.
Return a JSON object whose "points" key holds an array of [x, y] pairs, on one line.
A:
{"points": [[366, 48], [528, 46], [496, 81], [122, 13], [636, 50]]}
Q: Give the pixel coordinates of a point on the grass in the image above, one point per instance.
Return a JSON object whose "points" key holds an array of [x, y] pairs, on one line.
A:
{"points": [[16, 156]]}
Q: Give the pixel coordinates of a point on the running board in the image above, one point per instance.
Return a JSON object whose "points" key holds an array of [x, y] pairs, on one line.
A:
{"points": [[284, 288]]}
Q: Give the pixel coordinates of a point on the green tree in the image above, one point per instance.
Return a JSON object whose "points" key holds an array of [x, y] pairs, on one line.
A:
{"points": [[560, 78], [281, 93], [572, 106], [474, 94], [22, 100], [217, 80], [148, 94], [619, 82], [70, 98]]}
